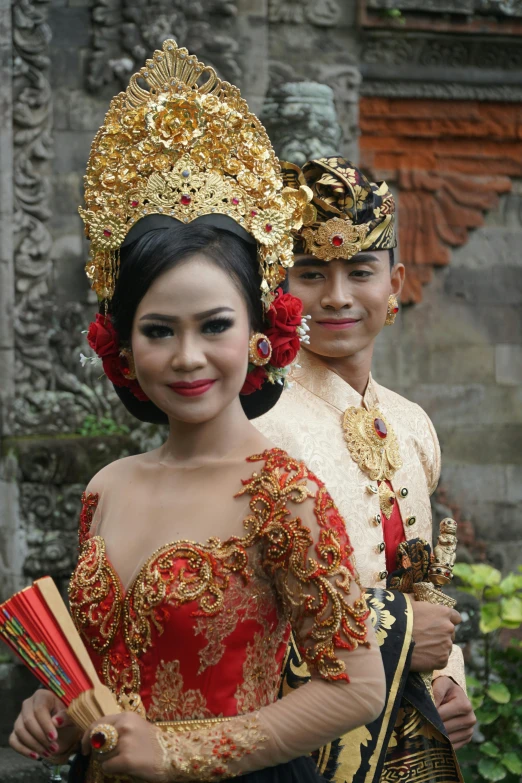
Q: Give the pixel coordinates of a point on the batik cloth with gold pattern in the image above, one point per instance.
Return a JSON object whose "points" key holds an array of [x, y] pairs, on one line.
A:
{"points": [[200, 633], [350, 465], [347, 214]]}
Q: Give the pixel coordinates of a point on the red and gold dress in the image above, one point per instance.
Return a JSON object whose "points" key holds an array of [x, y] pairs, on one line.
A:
{"points": [[196, 640]]}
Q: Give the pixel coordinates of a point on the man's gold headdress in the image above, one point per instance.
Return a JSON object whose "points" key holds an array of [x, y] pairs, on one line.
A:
{"points": [[348, 213], [180, 142]]}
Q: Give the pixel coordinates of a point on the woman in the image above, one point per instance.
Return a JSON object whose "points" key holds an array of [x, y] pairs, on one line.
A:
{"points": [[197, 559]]}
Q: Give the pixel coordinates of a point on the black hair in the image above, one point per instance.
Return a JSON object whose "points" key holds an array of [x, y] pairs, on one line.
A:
{"points": [[160, 250], [391, 251]]}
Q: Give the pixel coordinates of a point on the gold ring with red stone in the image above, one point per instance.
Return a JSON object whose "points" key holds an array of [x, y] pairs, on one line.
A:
{"points": [[104, 738]]}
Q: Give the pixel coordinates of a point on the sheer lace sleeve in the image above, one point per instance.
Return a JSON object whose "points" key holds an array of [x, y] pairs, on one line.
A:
{"points": [[307, 553]]}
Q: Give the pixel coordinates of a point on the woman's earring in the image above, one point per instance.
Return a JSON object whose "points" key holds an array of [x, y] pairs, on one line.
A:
{"points": [[130, 370], [393, 309], [259, 349]]}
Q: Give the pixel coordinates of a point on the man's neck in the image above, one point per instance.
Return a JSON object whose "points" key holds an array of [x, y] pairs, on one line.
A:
{"points": [[355, 370]]}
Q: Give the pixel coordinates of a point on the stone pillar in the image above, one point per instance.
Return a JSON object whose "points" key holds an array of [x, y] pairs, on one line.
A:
{"points": [[10, 559]]}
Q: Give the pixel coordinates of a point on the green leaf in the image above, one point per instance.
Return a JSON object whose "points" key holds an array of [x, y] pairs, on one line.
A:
{"points": [[489, 749], [487, 717], [511, 584], [490, 618], [491, 769], [464, 571], [511, 609], [513, 763], [472, 682], [499, 693], [476, 700], [485, 576]]}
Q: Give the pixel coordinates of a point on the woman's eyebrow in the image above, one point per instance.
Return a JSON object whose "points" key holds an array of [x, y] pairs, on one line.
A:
{"points": [[197, 316]]}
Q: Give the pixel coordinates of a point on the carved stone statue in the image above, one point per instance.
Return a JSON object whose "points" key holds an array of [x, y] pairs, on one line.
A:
{"points": [[302, 121]]}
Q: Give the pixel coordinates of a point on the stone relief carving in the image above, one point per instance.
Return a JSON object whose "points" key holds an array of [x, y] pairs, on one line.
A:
{"points": [[301, 120], [345, 81], [495, 7], [323, 13], [32, 119], [437, 210], [125, 32], [510, 93], [443, 51]]}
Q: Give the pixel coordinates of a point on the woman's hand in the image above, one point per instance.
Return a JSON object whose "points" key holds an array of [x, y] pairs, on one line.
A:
{"points": [[137, 753], [43, 728]]}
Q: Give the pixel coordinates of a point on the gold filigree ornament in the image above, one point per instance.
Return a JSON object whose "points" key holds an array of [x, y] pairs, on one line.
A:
{"points": [[182, 142], [372, 443], [337, 238]]}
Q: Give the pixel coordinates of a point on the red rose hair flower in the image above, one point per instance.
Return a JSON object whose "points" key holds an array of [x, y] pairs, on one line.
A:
{"points": [[104, 341]]}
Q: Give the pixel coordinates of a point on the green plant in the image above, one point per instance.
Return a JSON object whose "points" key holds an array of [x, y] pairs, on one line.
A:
{"points": [[496, 690], [93, 426], [394, 14]]}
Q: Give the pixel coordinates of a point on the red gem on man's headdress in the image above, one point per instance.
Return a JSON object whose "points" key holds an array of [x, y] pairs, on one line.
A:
{"points": [[253, 213], [185, 199], [268, 228], [380, 428], [337, 240], [134, 204], [263, 348], [107, 232], [235, 201]]}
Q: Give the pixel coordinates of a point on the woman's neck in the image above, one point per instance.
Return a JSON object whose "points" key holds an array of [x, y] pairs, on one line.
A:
{"points": [[194, 444]]}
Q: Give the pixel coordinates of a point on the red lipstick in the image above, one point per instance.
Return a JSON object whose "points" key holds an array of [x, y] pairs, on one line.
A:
{"points": [[194, 388], [338, 323]]}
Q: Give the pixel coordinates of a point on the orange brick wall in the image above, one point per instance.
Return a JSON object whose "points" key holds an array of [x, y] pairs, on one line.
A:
{"points": [[450, 160]]}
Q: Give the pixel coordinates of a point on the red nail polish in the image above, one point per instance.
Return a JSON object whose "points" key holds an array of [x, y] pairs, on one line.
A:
{"points": [[54, 747], [58, 721], [52, 735], [34, 756], [45, 754]]}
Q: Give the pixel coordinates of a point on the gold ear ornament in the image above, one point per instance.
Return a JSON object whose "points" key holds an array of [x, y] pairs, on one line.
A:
{"points": [[259, 350], [393, 309]]}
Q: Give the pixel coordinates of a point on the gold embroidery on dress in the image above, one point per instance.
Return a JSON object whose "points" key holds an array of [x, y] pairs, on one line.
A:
{"points": [[204, 579], [90, 586], [252, 602], [261, 672], [169, 702], [287, 544], [208, 754]]}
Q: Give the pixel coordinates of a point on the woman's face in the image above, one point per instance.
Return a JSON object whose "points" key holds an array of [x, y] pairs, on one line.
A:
{"points": [[190, 341]]}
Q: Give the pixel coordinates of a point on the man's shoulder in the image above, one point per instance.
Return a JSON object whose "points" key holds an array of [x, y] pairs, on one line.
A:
{"points": [[394, 402]]}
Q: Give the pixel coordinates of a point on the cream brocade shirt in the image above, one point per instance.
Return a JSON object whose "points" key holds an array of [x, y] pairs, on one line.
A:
{"points": [[306, 422]]}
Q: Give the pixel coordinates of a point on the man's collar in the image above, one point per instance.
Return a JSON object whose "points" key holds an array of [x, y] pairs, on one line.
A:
{"points": [[318, 379]]}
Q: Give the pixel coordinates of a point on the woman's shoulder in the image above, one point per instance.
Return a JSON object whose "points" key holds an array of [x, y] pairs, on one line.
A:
{"points": [[121, 470]]}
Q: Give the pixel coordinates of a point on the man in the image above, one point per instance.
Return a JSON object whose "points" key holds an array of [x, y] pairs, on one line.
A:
{"points": [[379, 456]]}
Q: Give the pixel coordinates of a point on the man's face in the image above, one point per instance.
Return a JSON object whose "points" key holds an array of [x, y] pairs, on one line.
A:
{"points": [[347, 299]]}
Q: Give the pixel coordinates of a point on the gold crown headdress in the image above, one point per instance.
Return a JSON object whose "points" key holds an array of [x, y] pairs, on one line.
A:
{"points": [[185, 146], [347, 214]]}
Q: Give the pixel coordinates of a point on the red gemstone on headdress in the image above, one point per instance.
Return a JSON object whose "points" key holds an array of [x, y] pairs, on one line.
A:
{"points": [[268, 228], [380, 428], [263, 348], [235, 201], [337, 240], [107, 232], [253, 213], [98, 740], [135, 203], [185, 199]]}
